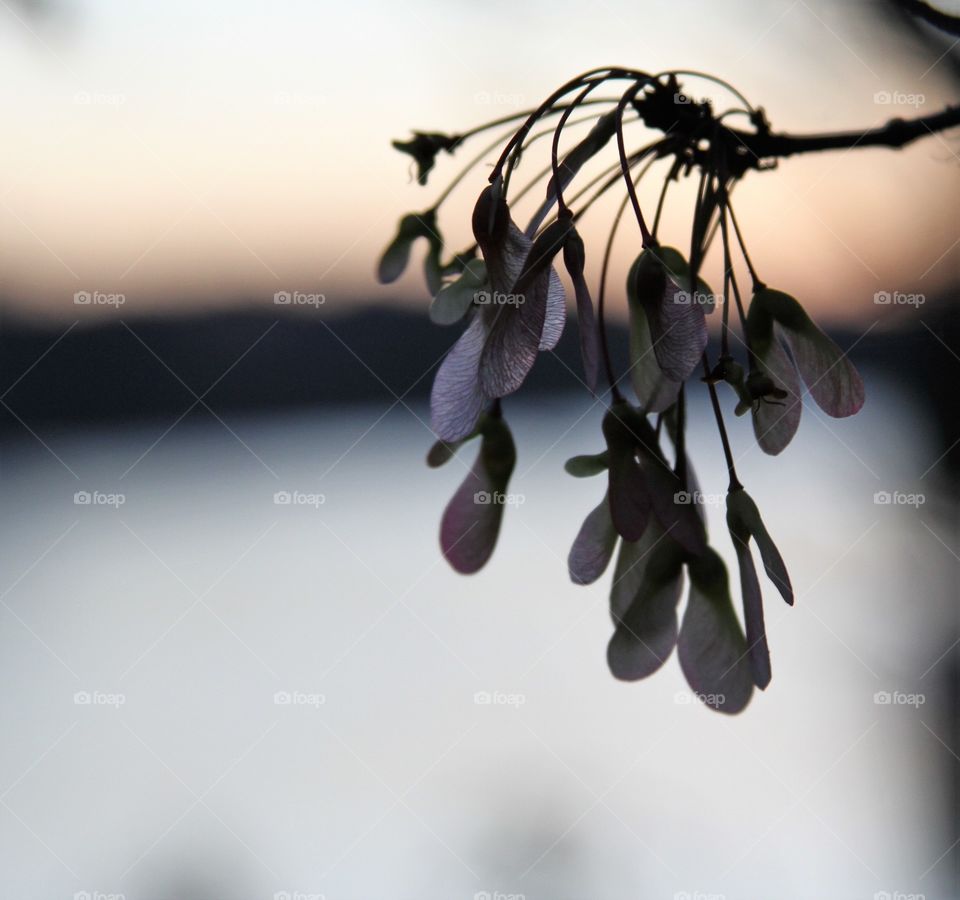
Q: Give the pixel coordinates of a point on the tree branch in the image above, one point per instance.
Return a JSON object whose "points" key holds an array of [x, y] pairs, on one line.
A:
{"points": [[696, 135], [755, 147]]}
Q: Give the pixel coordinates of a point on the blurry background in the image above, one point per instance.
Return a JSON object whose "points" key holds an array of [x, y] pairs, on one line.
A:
{"points": [[196, 160]]}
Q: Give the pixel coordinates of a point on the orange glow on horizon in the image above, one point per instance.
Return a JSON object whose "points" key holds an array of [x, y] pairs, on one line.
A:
{"points": [[217, 171]]}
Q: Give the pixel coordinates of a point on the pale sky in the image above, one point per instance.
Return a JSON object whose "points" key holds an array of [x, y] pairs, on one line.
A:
{"points": [[191, 155]]}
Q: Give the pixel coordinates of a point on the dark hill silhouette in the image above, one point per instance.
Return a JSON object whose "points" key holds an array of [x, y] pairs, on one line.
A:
{"points": [[104, 374]]}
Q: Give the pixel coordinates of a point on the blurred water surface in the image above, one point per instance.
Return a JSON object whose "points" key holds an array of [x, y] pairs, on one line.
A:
{"points": [[186, 613]]}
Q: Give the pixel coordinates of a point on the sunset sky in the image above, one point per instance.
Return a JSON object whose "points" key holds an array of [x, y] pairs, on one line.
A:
{"points": [[200, 155], [230, 513]]}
